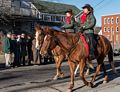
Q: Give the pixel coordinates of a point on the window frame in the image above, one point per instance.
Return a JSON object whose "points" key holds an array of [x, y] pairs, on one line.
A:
{"points": [[112, 20], [108, 20], [117, 29], [117, 20], [105, 21], [105, 29], [109, 29]]}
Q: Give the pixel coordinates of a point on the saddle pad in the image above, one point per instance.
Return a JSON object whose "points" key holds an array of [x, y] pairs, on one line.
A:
{"points": [[56, 28], [85, 44]]}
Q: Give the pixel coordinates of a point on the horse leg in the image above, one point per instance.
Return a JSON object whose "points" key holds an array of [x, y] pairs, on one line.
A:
{"points": [[87, 71], [88, 66], [100, 61], [58, 61], [113, 67], [96, 73], [72, 69], [105, 74], [60, 74], [82, 67]]}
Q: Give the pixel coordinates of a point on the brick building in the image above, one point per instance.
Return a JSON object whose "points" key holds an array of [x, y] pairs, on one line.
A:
{"points": [[111, 29]]}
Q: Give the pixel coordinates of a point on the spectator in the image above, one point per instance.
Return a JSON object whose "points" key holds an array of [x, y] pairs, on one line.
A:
{"points": [[12, 47], [23, 48], [6, 49], [29, 49], [16, 61]]}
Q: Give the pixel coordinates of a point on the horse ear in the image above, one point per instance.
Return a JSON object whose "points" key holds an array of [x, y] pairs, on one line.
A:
{"points": [[49, 30], [38, 27]]}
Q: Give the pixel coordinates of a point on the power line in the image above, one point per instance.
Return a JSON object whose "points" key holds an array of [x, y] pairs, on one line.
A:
{"points": [[99, 3], [104, 4]]}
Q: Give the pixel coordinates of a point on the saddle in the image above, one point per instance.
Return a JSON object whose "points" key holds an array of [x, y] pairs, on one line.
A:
{"points": [[86, 42], [96, 38]]}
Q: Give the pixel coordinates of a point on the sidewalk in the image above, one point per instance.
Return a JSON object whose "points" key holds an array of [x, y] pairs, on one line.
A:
{"points": [[2, 59]]}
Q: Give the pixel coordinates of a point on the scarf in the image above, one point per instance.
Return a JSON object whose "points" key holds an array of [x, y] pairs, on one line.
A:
{"points": [[83, 18], [68, 19]]}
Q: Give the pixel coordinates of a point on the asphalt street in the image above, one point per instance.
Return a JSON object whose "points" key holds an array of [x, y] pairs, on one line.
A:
{"points": [[38, 78]]}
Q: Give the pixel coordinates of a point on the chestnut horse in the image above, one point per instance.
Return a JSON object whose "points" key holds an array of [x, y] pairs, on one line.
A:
{"points": [[71, 44], [58, 54]]}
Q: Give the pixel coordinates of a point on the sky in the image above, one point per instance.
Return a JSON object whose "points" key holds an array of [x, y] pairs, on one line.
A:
{"points": [[101, 7]]}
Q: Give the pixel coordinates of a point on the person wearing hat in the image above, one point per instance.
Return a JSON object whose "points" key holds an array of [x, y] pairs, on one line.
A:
{"points": [[87, 22], [69, 21]]}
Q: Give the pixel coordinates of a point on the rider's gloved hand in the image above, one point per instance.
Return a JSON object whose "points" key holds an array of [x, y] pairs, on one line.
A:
{"points": [[63, 29], [81, 29]]}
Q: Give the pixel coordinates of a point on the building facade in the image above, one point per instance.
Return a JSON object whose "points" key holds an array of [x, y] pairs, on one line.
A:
{"points": [[19, 12], [20, 16], [111, 29]]}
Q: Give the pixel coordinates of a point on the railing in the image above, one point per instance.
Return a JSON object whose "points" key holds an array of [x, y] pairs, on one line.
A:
{"points": [[52, 17], [24, 8]]}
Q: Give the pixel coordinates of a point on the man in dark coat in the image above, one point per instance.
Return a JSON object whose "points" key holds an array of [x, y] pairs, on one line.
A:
{"points": [[29, 49], [17, 45], [23, 48], [87, 22]]}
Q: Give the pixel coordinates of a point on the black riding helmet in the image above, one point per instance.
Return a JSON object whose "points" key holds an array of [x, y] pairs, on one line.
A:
{"points": [[69, 11], [89, 7]]}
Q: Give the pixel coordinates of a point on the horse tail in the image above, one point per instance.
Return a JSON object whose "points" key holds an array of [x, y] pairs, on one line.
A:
{"points": [[110, 58], [110, 54]]}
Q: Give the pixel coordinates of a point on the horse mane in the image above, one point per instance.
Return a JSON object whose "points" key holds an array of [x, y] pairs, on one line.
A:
{"points": [[68, 39]]}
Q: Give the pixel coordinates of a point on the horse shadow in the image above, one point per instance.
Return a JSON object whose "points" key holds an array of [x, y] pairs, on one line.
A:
{"points": [[111, 75], [2, 66], [9, 77]]}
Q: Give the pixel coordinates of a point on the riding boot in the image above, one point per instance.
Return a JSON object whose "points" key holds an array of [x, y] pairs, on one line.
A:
{"points": [[91, 44]]}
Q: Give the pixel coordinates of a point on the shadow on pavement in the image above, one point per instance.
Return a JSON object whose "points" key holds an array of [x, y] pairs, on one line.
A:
{"points": [[2, 66], [111, 74], [9, 77]]}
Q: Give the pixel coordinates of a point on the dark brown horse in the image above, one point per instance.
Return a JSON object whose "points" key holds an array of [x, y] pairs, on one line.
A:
{"points": [[74, 47]]}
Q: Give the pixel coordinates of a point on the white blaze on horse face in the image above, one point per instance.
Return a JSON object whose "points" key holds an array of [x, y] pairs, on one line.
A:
{"points": [[37, 41], [45, 37], [36, 35]]}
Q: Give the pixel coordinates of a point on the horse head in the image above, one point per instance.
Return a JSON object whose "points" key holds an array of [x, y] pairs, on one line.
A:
{"points": [[49, 42], [39, 36]]}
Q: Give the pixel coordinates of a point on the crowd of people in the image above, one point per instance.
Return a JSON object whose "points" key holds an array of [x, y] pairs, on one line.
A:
{"points": [[16, 48]]}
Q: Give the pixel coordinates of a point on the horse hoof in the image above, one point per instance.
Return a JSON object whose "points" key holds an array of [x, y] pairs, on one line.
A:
{"points": [[104, 82], [69, 90], [55, 78], [62, 75], [87, 73], [90, 84]]}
